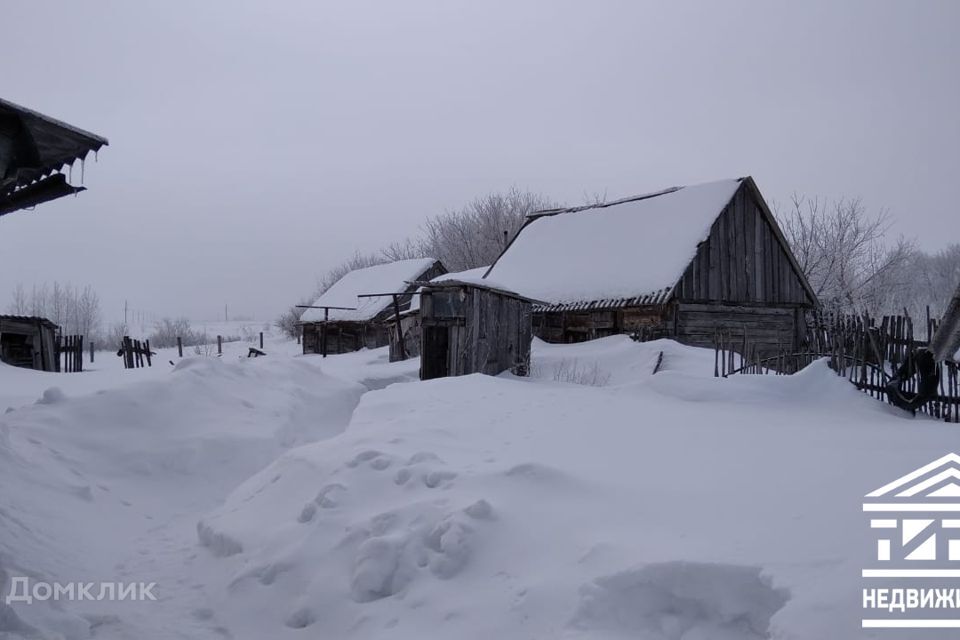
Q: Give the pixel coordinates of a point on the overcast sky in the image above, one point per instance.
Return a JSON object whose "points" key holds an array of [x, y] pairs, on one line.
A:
{"points": [[255, 144]]}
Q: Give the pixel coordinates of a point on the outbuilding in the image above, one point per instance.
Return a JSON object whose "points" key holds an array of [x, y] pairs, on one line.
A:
{"points": [[346, 318], [29, 342], [687, 263], [473, 327]]}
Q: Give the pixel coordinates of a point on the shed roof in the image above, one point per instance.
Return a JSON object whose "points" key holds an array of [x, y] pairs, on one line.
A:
{"points": [[29, 320], [632, 248], [469, 274], [36, 146], [381, 278]]}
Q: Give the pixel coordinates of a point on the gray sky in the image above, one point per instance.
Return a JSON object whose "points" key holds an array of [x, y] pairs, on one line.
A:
{"points": [[254, 144]]}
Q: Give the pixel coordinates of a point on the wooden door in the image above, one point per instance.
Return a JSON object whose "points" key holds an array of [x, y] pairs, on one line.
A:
{"points": [[435, 356]]}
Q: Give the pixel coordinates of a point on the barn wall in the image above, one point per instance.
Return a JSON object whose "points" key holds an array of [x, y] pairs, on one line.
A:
{"points": [[344, 337], [770, 329], [578, 326], [742, 260]]}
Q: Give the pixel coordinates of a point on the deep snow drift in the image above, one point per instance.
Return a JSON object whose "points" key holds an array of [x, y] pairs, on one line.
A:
{"points": [[292, 496]]}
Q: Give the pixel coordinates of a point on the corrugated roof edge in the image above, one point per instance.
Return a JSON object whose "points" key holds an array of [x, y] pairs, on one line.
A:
{"points": [[655, 298]]}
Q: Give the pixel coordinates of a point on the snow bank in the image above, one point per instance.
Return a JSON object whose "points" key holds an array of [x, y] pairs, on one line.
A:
{"points": [[97, 486], [278, 497], [662, 506]]}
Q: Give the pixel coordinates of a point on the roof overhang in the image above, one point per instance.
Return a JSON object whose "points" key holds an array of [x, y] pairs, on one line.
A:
{"points": [[34, 148]]}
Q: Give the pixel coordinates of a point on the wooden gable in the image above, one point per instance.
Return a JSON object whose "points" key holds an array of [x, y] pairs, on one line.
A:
{"points": [[745, 259]]}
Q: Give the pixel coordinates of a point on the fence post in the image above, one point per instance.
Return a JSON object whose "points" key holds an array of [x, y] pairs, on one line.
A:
{"points": [[80, 353], [91, 352], [147, 343], [261, 339], [179, 347], [219, 345]]}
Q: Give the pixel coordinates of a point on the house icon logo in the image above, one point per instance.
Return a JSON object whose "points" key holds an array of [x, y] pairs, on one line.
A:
{"points": [[916, 566]]}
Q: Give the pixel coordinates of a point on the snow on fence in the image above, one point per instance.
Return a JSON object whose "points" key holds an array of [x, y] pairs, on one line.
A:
{"points": [[867, 353]]}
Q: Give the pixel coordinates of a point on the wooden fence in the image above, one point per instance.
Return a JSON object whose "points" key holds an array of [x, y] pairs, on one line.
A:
{"points": [[135, 353], [71, 348], [867, 351]]}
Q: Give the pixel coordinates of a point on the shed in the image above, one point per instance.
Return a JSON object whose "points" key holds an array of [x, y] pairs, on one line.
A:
{"points": [[684, 263], [34, 149], [405, 343], [473, 327], [29, 342], [339, 321]]}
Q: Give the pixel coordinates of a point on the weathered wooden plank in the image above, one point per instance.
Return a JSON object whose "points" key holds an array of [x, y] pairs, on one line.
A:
{"points": [[749, 247], [731, 240], [704, 264], [714, 265], [759, 294], [754, 310], [740, 261]]}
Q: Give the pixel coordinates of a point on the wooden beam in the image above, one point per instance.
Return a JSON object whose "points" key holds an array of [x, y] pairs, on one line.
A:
{"points": [[396, 315]]}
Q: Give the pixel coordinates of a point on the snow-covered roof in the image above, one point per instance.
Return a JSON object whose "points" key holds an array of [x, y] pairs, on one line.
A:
{"points": [[469, 275], [382, 278], [630, 248]]}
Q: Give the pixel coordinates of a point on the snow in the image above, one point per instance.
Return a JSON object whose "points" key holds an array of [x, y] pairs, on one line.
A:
{"points": [[633, 248], [342, 498], [382, 278]]}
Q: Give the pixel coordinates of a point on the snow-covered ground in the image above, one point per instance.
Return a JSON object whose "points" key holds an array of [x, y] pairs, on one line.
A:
{"points": [[293, 496]]}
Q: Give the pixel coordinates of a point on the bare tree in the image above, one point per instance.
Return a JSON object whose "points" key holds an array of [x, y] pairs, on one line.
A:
{"points": [[476, 234], [74, 310], [289, 320], [844, 252], [932, 278], [167, 330], [19, 304]]}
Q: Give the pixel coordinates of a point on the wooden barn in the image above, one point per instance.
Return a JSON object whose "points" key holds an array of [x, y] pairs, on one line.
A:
{"points": [[471, 327], [345, 319], [405, 342], [34, 149], [29, 342], [684, 263]]}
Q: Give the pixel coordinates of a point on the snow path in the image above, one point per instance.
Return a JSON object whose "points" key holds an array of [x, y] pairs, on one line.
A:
{"points": [[134, 467]]}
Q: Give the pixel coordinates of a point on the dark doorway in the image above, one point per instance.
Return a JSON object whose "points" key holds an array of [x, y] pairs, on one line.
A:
{"points": [[17, 349], [435, 354]]}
